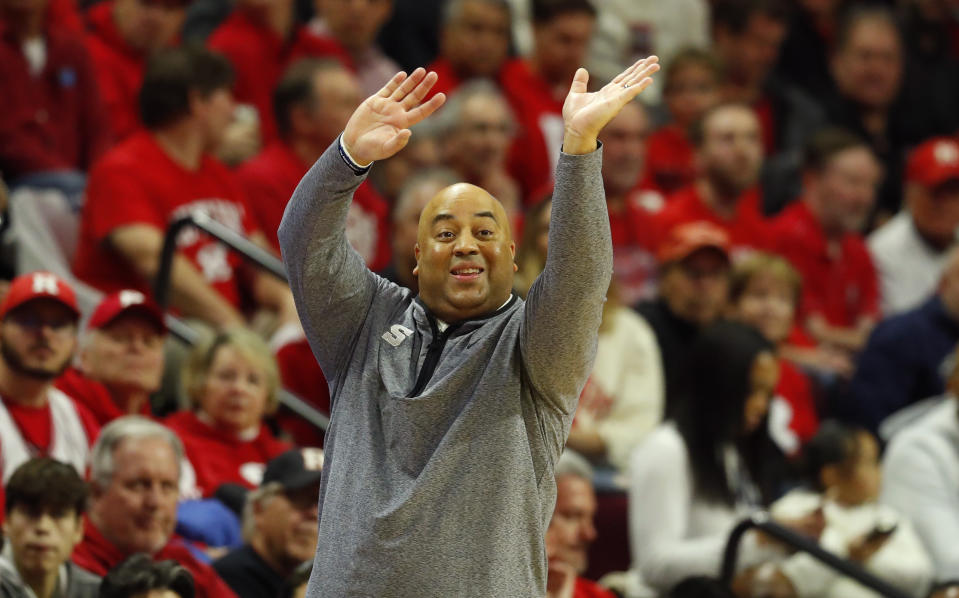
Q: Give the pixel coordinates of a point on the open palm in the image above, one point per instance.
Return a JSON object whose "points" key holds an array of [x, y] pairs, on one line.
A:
{"points": [[586, 113], [379, 127]]}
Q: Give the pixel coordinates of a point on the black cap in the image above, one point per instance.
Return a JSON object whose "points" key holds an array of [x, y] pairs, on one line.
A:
{"points": [[295, 469]]}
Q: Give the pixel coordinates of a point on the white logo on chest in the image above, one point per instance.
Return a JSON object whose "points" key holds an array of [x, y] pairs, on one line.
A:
{"points": [[397, 334]]}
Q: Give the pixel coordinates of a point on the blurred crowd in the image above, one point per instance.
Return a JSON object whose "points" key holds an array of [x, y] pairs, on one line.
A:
{"points": [[779, 335]]}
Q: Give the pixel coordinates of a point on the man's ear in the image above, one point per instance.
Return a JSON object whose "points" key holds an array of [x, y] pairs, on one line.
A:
{"points": [[416, 256], [512, 252]]}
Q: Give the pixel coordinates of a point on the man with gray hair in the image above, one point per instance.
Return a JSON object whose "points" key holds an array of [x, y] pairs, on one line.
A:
{"points": [[476, 128], [279, 527], [135, 485], [571, 531]]}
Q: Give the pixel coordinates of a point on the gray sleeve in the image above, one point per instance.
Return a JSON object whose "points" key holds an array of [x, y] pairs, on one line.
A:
{"points": [[331, 284], [565, 304]]}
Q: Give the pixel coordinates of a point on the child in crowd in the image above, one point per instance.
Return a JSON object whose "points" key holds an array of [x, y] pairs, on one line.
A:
{"points": [[691, 87], [843, 474], [764, 294]]}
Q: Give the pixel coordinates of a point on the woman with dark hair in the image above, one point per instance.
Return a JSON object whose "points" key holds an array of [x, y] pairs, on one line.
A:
{"points": [[695, 477], [140, 577]]}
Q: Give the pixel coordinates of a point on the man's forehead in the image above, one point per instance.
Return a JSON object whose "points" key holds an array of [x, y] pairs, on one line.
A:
{"points": [[462, 199]]}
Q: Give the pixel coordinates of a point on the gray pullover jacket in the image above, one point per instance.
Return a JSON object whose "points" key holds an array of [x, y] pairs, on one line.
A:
{"points": [[438, 479]]}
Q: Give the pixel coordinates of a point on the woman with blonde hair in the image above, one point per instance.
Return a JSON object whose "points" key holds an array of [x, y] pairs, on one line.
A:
{"points": [[232, 383]]}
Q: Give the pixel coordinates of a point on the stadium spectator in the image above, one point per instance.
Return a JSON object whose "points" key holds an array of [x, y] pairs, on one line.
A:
{"points": [[693, 478], [52, 121], [571, 531], [920, 478], [843, 478], [38, 335], [906, 357], [416, 193], [354, 26], [166, 172], [475, 130], [747, 37], [232, 383], [138, 576], [411, 36], [312, 103], [691, 86], [421, 153], [135, 481], [44, 521], [819, 235], [536, 87], [910, 250], [729, 155], [122, 35], [693, 291], [279, 525], [764, 293], [867, 66], [261, 39], [474, 43], [810, 40], [120, 358], [929, 31]]}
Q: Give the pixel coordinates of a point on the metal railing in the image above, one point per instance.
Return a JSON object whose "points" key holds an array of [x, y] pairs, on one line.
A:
{"points": [[250, 252], [764, 523]]}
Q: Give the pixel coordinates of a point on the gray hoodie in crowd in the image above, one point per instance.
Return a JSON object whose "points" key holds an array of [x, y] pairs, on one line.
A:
{"points": [[438, 479]]}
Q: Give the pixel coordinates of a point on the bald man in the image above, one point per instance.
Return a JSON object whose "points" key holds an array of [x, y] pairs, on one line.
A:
{"points": [[449, 408]]}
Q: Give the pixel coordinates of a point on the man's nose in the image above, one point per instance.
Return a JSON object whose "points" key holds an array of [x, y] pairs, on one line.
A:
{"points": [[466, 245]]}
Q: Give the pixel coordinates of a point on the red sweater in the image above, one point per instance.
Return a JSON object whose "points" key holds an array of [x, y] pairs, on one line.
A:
{"points": [[97, 555], [218, 456], [54, 120], [94, 396]]}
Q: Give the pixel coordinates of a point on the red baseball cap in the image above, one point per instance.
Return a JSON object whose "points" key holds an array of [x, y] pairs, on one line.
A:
{"points": [[687, 239], [38, 285], [124, 302], [934, 162]]}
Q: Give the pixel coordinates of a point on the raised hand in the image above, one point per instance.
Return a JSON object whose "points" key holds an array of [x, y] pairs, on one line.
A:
{"points": [[379, 127], [585, 114]]}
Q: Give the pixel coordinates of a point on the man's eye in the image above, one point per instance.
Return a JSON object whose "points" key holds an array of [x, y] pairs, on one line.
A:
{"points": [[445, 235]]}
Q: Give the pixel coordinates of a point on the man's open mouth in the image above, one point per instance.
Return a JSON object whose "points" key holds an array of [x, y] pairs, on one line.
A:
{"points": [[466, 272]]}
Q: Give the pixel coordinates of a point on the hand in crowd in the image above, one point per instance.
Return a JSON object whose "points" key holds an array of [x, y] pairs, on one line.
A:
{"points": [[586, 113], [861, 549], [560, 580], [241, 141], [379, 128], [764, 581]]}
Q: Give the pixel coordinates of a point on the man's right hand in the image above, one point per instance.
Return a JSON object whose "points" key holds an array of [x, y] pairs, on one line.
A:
{"points": [[379, 128]]}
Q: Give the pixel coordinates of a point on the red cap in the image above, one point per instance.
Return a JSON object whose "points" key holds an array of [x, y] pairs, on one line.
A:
{"points": [[124, 302], [934, 162], [38, 285], [686, 239]]}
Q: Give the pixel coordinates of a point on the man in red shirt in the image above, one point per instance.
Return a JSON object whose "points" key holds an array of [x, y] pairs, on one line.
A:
{"points": [[165, 172], [729, 154], [312, 103], [571, 531], [121, 358], [820, 235], [134, 482], [38, 334], [474, 43], [261, 39], [562, 30], [52, 118], [632, 204], [122, 35]]}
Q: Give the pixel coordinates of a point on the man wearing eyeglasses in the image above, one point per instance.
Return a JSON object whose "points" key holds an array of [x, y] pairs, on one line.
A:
{"points": [[38, 335]]}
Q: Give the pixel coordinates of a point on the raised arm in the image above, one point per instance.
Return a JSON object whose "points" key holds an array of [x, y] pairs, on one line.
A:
{"points": [[564, 305], [331, 285]]}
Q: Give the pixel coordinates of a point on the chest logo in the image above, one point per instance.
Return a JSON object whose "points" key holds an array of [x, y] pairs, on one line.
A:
{"points": [[397, 334]]}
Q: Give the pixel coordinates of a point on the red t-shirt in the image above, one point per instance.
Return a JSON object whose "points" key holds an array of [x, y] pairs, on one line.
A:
{"points": [[670, 164], [795, 388], [119, 70], [138, 183], [747, 229], [535, 150], [53, 120], [634, 249], [97, 555], [585, 588], [269, 180], [842, 286], [259, 56], [302, 376], [219, 456], [94, 397]]}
